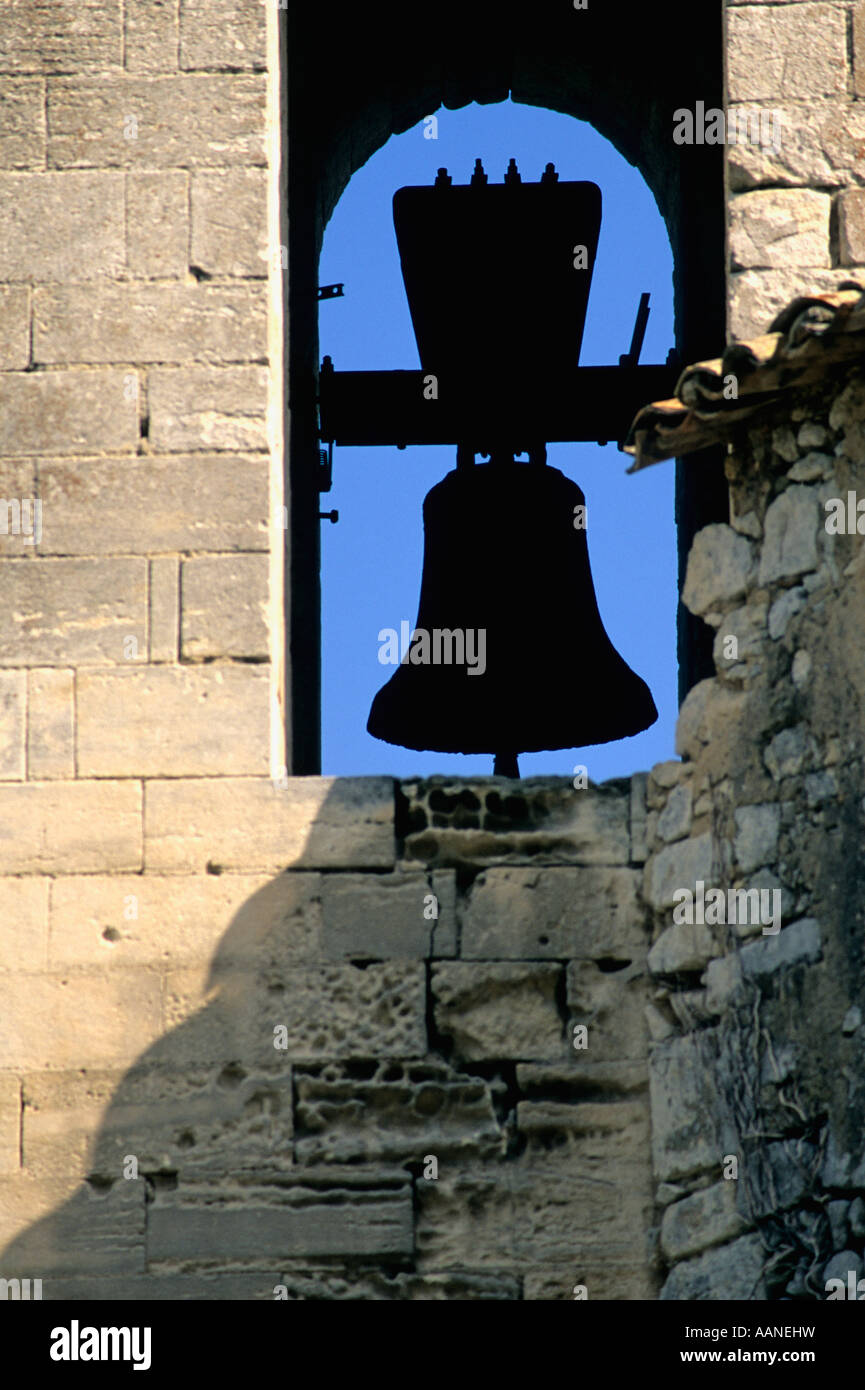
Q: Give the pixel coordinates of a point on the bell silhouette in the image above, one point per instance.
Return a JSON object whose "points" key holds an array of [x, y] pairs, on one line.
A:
{"points": [[509, 653]]}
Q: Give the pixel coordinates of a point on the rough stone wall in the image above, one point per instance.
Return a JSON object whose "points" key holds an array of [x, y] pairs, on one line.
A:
{"points": [[302, 1044], [758, 1046], [797, 203]]}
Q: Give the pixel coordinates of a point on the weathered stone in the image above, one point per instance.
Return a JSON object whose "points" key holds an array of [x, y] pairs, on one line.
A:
{"points": [[71, 612], [679, 866], [341, 1011], [157, 122], [851, 226], [723, 982], [63, 227], [164, 605], [786, 51], [787, 151], [706, 1218], [25, 924], [674, 822], [780, 227], [370, 916], [22, 123], [157, 223], [78, 1018], [812, 467], [61, 36], [602, 1279], [838, 1223], [733, 1271], [179, 721], [70, 1228], [151, 35], [790, 547], [136, 322], [740, 659], [756, 296], [497, 1010], [756, 839], [50, 724], [609, 1005], [66, 413], [639, 842], [400, 1114], [88, 827], [720, 568], [788, 603], [249, 824], [685, 1136], [842, 1266], [222, 34], [786, 753], [856, 1217], [224, 607], [797, 944], [190, 502], [680, 948], [14, 324], [13, 719], [229, 221], [553, 913], [207, 408]]}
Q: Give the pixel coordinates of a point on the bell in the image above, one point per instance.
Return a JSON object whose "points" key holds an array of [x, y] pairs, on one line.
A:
{"points": [[509, 653]]}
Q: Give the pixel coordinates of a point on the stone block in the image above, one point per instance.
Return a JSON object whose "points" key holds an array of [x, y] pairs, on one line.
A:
{"points": [[685, 1137], [164, 601], [224, 607], [681, 948], [207, 408], [157, 223], [493, 1011], [24, 931], [71, 612], [786, 51], [338, 1011], [18, 514], [78, 1018], [560, 1215], [858, 18], [679, 866], [610, 1005], [61, 226], [465, 1218], [169, 720], [706, 1218], [756, 296], [62, 827], [229, 221], [146, 919], [222, 34], [10, 1124], [61, 36], [674, 822], [720, 568], [13, 720], [851, 226], [182, 120], [639, 823], [57, 1227], [402, 1114], [610, 1280], [797, 944], [152, 505], [136, 322], [774, 228], [756, 841], [733, 1271], [50, 724], [355, 1221], [22, 123], [372, 916], [790, 545], [14, 323], [177, 1288], [199, 1123], [66, 413], [252, 824], [711, 711], [554, 913], [151, 38]]}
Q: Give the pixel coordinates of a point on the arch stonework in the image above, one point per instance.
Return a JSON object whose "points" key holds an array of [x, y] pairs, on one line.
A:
{"points": [[171, 900]]}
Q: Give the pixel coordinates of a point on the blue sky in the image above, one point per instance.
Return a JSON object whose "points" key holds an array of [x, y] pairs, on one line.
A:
{"points": [[371, 559]]}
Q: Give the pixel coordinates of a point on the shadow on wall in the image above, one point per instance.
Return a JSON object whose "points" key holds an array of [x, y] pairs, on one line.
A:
{"points": [[277, 1142]]}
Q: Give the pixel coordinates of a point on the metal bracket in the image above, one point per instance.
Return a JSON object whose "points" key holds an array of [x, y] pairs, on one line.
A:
{"points": [[331, 291]]}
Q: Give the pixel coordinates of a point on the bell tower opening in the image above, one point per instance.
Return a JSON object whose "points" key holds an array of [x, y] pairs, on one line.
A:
{"points": [[492, 552], [349, 87]]}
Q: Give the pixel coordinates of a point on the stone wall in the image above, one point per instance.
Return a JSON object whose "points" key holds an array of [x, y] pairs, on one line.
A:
{"points": [[357, 1078], [797, 201], [758, 1047]]}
